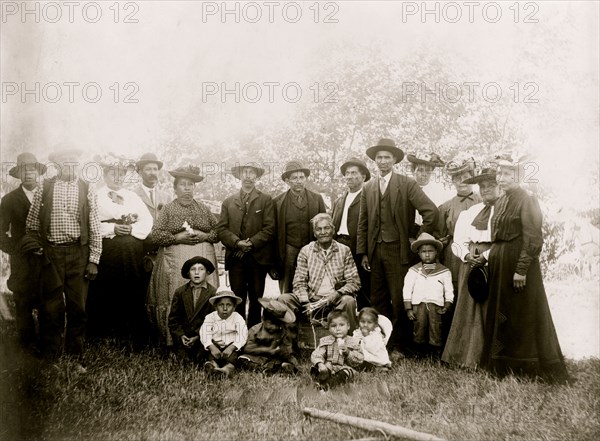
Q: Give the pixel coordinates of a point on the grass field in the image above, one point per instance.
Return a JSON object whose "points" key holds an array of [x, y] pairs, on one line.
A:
{"points": [[145, 396]]}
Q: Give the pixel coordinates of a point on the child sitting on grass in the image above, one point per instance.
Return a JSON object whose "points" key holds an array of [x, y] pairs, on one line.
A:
{"points": [[269, 346], [337, 354], [223, 334], [189, 307], [428, 294], [373, 337]]}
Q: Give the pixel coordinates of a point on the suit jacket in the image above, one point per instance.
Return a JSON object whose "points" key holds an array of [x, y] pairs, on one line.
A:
{"points": [[405, 196], [316, 205], [184, 319], [14, 209], [162, 198], [353, 212], [260, 226]]}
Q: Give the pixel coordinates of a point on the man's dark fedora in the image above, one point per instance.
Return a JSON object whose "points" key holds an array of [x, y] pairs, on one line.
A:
{"points": [[147, 158], [389, 146], [358, 163], [478, 284], [237, 169], [486, 174], [294, 166], [24, 161], [185, 269]]}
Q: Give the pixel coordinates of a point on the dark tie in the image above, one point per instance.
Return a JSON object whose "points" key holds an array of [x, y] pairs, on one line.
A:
{"points": [[481, 220], [151, 192], [465, 197]]}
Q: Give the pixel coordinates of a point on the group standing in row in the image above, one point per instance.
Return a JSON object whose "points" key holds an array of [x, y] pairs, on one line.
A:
{"points": [[365, 254]]}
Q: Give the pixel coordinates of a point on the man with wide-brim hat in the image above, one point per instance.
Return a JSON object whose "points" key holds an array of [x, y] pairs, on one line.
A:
{"points": [[293, 211], [247, 229], [472, 242], [345, 218], [13, 215], [189, 308], [149, 190], [64, 218], [387, 213]]}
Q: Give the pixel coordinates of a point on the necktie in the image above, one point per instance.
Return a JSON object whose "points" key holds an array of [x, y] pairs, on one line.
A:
{"points": [[382, 185], [481, 220], [151, 192], [465, 197], [196, 293]]}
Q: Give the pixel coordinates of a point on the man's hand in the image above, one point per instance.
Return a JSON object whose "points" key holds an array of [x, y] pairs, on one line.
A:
{"points": [[228, 351], [365, 263], [91, 271], [185, 341], [322, 368], [333, 298], [445, 240], [411, 315], [445, 309], [214, 351], [244, 245], [519, 282], [122, 230]]}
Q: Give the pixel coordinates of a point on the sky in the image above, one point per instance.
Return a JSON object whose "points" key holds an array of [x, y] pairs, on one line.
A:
{"points": [[155, 62]]}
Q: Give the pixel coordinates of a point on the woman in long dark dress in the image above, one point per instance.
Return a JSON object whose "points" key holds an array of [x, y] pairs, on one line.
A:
{"points": [[520, 336]]}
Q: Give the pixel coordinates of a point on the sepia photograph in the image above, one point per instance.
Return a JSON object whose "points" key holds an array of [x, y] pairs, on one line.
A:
{"points": [[309, 220]]}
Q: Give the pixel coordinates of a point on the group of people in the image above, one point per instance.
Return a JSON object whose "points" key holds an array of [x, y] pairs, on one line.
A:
{"points": [[457, 276]]}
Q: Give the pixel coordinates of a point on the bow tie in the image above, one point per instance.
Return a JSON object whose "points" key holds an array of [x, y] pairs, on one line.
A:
{"points": [[465, 197]]}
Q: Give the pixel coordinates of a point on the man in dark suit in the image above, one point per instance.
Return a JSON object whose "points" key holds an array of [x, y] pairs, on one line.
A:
{"points": [[247, 229], [294, 210], [189, 308], [13, 215], [345, 218], [387, 213]]}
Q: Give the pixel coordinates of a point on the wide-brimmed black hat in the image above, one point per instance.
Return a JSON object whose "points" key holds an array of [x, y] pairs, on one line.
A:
{"points": [[426, 239], [478, 283], [237, 169], [185, 269], [147, 158], [389, 146], [225, 295], [431, 159], [358, 163], [278, 309], [294, 166], [485, 174], [190, 172], [24, 161]]}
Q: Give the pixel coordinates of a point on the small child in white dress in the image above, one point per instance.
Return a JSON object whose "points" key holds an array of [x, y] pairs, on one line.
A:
{"points": [[373, 333]]}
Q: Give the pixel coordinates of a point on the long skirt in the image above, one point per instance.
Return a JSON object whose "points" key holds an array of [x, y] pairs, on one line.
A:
{"points": [[520, 335], [166, 278], [115, 303], [465, 340]]}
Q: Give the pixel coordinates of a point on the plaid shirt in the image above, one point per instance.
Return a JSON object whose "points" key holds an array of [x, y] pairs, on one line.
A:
{"points": [[313, 263], [64, 218], [328, 352]]}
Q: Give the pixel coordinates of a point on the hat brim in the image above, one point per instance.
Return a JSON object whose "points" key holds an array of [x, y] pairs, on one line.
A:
{"points": [[16, 170], [480, 178], [363, 167], [185, 269], [414, 160], [237, 170], [140, 164], [289, 316], [398, 153], [192, 177], [477, 284], [286, 174], [459, 170], [417, 243], [218, 297]]}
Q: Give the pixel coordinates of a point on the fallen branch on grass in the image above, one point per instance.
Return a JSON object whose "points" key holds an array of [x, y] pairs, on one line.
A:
{"points": [[373, 425]]}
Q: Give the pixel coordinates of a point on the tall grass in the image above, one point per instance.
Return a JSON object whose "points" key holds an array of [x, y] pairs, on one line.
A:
{"points": [[145, 396]]}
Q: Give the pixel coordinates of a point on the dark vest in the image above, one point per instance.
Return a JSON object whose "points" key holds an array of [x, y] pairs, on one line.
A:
{"points": [[297, 229], [387, 227], [82, 205]]}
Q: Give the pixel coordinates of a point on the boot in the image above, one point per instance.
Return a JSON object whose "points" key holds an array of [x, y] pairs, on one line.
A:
{"points": [[227, 370], [210, 367]]}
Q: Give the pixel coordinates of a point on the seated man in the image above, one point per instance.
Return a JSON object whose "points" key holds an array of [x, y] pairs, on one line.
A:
{"points": [[326, 276]]}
